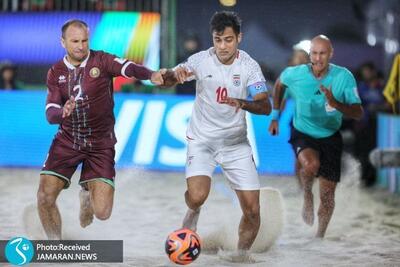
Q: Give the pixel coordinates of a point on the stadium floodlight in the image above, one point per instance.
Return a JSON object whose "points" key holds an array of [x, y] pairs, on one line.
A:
{"points": [[228, 3]]}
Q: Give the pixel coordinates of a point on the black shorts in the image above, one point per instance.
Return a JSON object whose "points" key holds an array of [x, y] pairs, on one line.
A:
{"points": [[329, 148]]}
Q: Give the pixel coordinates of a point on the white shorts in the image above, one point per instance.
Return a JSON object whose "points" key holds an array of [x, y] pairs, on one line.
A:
{"points": [[236, 161]]}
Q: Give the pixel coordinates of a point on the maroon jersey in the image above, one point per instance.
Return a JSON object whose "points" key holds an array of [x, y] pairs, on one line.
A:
{"points": [[91, 125]]}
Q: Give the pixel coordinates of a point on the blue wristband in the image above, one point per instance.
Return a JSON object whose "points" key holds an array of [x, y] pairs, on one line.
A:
{"points": [[275, 114]]}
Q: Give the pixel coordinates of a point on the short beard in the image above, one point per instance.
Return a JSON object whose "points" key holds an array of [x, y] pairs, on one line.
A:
{"points": [[229, 59]]}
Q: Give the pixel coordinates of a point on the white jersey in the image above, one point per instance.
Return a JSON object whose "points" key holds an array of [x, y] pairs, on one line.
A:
{"points": [[211, 121]]}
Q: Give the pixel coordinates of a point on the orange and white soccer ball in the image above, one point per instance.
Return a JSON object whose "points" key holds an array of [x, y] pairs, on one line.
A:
{"points": [[183, 246]]}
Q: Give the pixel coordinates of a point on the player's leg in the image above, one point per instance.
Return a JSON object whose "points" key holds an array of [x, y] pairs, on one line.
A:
{"points": [[49, 188], [330, 171], [56, 174], [297, 168], [297, 165], [200, 165], [97, 200], [86, 209], [248, 227], [309, 161], [198, 188], [97, 181], [250, 221], [307, 154], [240, 170], [101, 198], [327, 196]]}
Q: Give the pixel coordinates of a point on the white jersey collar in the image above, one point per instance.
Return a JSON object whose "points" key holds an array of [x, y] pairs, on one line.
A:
{"points": [[72, 67]]}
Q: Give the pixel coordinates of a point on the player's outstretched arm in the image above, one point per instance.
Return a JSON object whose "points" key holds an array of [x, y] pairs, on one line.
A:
{"points": [[182, 74], [259, 105], [169, 77], [157, 77]]}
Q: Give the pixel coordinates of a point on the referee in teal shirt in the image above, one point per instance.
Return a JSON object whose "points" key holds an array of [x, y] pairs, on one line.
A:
{"points": [[323, 93]]}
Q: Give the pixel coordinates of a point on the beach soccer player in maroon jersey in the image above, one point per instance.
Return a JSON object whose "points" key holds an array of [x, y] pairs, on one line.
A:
{"points": [[80, 100]]}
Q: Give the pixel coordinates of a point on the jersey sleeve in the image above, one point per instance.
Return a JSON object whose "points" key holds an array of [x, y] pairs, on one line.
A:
{"points": [[192, 64], [54, 98], [285, 76], [350, 89], [115, 66], [286, 94], [256, 82], [255, 73]]}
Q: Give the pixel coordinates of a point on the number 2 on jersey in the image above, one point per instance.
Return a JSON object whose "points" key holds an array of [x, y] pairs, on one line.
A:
{"points": [[79, 95], [222, 93]]}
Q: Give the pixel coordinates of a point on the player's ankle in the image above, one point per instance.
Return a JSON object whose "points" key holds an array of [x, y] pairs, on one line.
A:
{"points": [[243, 252], [195, 210]]}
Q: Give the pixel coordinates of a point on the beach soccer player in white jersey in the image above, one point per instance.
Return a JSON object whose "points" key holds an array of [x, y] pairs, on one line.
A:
{"points": [[217, 132]]}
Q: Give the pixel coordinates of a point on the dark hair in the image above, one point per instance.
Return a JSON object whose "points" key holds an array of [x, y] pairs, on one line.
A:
{"points": [[76, 22], [369, 64], [7, 66], [223, 19]]}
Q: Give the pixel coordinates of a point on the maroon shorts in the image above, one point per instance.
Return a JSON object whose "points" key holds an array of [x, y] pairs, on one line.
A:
{"points": [[62, 161]]}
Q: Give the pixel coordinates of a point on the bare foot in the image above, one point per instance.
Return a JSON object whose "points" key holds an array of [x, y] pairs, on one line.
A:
{"points": [[191, 218], [242, 256], [308, 210], [86, 212], [319, 235]]}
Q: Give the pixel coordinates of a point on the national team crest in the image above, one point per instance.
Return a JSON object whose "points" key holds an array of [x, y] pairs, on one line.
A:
{"points": [[94, 72], [236, 79]]}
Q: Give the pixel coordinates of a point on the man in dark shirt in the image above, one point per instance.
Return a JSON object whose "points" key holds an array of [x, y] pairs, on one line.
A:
{"points": [[80, 99]]}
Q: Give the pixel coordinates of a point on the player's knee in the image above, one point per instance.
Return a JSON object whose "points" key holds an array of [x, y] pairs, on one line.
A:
{"points": [[45, 199], [252, 213], [102, 213], [197, 199], [102, 216], [327, 199], [310, 168]]}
